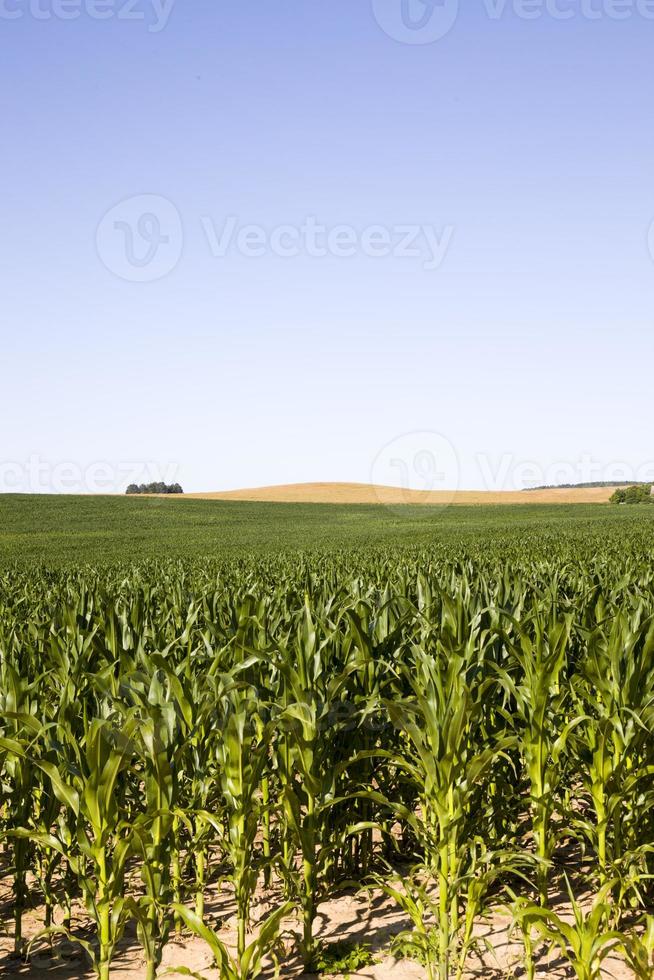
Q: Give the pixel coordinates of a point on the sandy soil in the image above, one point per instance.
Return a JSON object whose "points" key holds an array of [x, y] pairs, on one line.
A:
{"points": [[363, 493], [372, 920]]}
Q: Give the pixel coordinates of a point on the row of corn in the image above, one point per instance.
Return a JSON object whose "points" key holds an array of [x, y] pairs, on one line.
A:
{"points": [[465, 732]]}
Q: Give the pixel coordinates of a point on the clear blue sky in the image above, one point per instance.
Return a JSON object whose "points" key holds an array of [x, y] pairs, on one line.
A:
{"points": [[525, 145]]}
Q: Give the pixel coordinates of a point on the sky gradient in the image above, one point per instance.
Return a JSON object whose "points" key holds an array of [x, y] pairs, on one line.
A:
{"points": [[522, 146]]}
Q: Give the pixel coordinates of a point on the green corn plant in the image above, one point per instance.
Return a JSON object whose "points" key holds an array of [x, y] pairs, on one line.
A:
{"points": [[638, 948], [152, 830], [538, 710], [446, 763], [19, 705], [414, 894], [15, 771], [307, 761], [253, 959], [89, 788], [418, 898], [585, 942], [450, 713], [198, 816], [47, 863], [373, 632], [613, 689], [242, 755]]}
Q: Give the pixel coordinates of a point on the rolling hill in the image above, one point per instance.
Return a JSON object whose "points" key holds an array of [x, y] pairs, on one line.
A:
{"points": [[363, 493]]}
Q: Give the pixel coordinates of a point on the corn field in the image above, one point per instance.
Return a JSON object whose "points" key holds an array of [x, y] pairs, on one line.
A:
{"points": [[460, 729]]}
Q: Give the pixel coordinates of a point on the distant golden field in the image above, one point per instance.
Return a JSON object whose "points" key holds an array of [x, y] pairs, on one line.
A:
{"points": [[363, 493]]}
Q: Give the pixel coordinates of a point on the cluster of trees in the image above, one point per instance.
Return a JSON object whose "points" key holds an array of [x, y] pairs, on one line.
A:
{"points": [[579, 486], [154, 488], [640, 494]]}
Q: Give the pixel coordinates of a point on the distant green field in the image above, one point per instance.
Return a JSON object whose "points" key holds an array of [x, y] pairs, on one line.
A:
{"points": [[62, 530], [195, 692]]}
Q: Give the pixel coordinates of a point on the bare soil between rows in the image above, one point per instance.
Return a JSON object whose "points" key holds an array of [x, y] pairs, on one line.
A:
{"points": [[371, 919]]}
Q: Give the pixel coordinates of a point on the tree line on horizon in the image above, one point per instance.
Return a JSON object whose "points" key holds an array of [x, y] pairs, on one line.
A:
{"points": [[135, 488]]}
